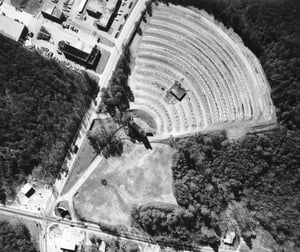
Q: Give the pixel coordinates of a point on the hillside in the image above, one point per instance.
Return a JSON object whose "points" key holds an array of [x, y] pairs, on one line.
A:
{"points": [[41, 107]]}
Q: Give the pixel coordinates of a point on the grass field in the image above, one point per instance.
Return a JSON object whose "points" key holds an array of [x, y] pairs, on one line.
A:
{"points": [[139, 176], [103, 61], [84, 157]]}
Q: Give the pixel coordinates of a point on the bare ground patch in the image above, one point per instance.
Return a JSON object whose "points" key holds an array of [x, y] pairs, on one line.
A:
{"points": [[138, 177]]}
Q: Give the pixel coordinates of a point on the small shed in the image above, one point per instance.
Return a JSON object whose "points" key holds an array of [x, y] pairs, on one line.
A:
{"points": [[68, 246], [102, 246], [177, 91], [28, 190], [229, 238]]}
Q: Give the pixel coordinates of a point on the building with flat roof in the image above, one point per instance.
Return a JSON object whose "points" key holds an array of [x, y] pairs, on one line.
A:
{"points": [[11, 28], [104, 11], [51, 12], [68, 246], [229, 238], [87, 56], [28, 190], [81, 6], [177, 91]]}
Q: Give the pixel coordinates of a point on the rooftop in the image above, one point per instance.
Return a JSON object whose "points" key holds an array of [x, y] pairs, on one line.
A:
{"points": [[177, 91], [104, 8], [11, 28], [26, 188], [229, 238], [52, 10]]}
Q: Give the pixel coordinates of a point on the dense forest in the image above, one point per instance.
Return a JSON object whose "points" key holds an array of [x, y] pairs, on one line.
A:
{"points": [[15, 238], [260, 170], [256, 177], [41, 107]]}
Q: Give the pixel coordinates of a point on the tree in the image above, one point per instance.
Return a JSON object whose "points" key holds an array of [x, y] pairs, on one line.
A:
{"points": [[41, 107], [106, 141]]}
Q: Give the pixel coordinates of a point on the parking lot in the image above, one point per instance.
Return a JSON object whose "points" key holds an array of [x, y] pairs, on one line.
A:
{"points": [[78, 29]]}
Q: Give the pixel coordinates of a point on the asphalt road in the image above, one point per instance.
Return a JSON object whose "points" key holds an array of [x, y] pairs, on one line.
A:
{"points": [[85, 226]]}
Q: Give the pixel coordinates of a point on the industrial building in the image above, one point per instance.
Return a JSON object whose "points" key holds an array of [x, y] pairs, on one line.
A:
{"points": [[52, 13], [87, 56], [104, 11], [81, 6], [12, 29]]}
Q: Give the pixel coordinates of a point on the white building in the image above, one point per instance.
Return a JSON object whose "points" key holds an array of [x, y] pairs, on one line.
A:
{"points": [[11, 28]]}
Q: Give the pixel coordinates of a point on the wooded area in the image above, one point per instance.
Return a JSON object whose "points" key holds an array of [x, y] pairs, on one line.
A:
{"points": [[15, 238], [41, 107], [260, 171]]}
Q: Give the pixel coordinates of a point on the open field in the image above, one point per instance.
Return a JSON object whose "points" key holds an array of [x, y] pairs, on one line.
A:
{"points": [[138, 176], [224, 82]]}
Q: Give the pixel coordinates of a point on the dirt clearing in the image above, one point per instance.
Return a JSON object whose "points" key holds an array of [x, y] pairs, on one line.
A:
{"points": [[139, 176]]}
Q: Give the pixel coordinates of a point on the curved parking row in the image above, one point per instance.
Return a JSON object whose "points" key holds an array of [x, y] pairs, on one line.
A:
{"points": [[223, 80]]}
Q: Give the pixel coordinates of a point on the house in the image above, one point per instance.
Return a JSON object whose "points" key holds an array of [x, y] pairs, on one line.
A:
{"points": [[12, 29], [52, 13], [230, 237], [28, 190]]}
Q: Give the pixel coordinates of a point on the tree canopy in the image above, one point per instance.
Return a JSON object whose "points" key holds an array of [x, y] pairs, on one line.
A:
{"points": [[116, 97], [15, 238], [41, 107]]}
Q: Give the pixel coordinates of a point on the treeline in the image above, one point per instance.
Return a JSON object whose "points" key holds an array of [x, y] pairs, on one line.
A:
{"points": [[105, 139], [271, 30], [15, 238], [260, 171], [41, 107], [112, 245], [116, 97]]}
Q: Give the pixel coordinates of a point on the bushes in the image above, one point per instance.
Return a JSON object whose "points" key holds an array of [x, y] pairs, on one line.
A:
{"points": [[117, 96]]}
